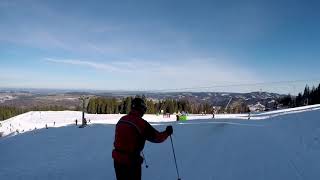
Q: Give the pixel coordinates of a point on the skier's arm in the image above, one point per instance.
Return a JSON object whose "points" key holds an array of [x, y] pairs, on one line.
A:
{"points": [[155, 136]]}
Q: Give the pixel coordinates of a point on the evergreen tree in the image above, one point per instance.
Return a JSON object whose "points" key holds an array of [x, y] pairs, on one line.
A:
{"points": [[299, 100], [306, 95], [127, 105], [318, 95], [287, 101]]}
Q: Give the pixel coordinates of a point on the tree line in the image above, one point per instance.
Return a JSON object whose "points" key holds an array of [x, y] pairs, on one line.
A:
{"points": [[308, 97], [103, 105], [8, 112]]}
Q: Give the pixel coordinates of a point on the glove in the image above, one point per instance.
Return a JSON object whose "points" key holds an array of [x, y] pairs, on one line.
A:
{"points": [[169, 130]]}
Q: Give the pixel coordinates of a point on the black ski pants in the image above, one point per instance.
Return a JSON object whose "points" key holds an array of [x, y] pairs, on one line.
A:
{"points": [[128, 172]]}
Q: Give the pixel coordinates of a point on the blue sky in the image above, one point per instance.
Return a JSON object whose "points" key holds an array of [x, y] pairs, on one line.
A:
{"points": [[152, 45]]}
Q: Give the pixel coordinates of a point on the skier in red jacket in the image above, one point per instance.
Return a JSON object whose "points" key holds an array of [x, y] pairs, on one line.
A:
{"points": [[130, 136]]}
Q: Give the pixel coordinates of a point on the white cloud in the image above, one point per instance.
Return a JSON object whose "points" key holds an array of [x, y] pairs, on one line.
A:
{"points": [[192, 73], [200, 73], [94, 65], [106, 28]]}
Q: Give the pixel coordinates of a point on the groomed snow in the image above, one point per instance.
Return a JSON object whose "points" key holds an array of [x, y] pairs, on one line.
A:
{"points": [[39, 119], [285, 145]]}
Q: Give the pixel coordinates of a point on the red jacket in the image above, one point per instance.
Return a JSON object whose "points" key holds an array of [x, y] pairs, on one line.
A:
{"points": [[130, 136]]}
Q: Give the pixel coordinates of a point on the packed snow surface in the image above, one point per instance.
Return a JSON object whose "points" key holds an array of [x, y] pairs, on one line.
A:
{"points": [[283, 144]]}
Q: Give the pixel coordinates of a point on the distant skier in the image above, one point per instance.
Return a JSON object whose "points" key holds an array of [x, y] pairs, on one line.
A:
{"points": [[54, 123], [76, 122], [131, 134]]}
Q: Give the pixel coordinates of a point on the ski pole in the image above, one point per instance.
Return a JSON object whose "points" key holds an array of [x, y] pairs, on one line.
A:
{"points": [[145, 161], [175, 160]]}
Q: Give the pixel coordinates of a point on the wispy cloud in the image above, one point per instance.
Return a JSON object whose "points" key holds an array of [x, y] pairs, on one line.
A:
{"points": [[196, 72], [55, 30], [106, 28], [101, 48], [130, 65], [90, 64], [140, 65]]}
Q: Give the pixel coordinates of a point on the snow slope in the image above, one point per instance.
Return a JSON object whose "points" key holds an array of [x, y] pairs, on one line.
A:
{"points": [[285, 145], [39, 119]]}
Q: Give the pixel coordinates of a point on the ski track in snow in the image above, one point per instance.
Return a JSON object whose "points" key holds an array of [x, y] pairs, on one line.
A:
{"points": [[273, 145]]}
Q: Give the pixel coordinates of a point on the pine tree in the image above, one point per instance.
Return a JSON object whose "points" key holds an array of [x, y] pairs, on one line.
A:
{"points": [[306, 95], [318, 94], [299, 100]]}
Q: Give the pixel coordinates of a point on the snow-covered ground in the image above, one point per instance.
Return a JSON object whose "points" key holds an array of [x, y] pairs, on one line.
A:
{"points": [[283, 144], [6, 97], [39, 119]]}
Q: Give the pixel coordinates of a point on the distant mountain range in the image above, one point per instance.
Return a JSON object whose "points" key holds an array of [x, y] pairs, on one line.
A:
{"points": [[69, 98], [213, 98], [220, 98]]}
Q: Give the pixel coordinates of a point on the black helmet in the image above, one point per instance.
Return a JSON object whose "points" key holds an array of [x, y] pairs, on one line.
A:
{"points": [[139, 104]]}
